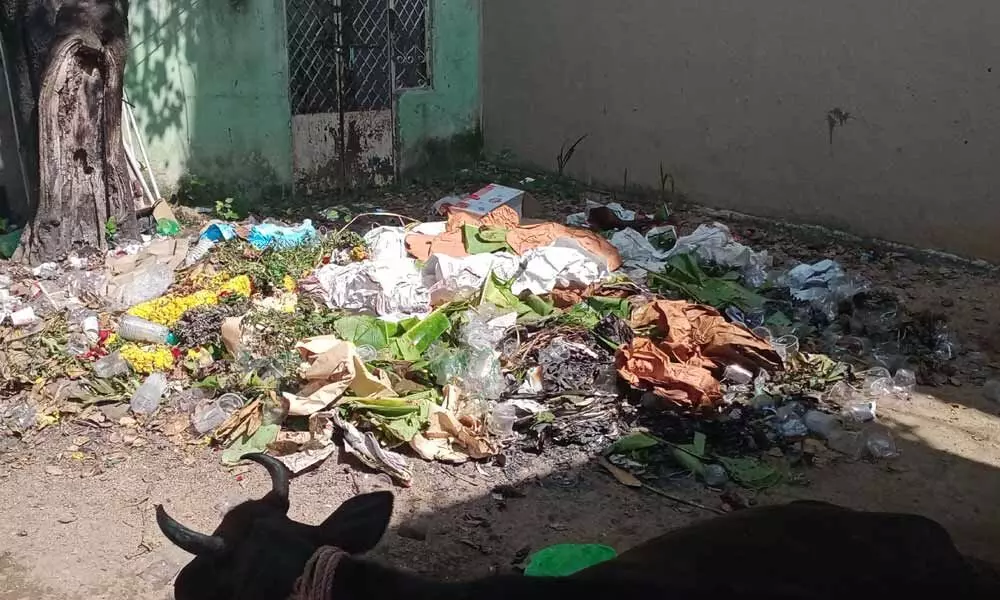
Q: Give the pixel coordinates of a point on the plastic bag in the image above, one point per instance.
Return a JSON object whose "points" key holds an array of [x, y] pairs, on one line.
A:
{"points": [[269, 235], [152, 282]]}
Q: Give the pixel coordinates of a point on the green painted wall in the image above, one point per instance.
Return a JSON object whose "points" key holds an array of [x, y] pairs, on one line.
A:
{"points": [[209, 81], [441, 123]]}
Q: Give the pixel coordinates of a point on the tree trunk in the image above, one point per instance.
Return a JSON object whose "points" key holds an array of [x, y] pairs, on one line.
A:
{"points": [[82, 174]]}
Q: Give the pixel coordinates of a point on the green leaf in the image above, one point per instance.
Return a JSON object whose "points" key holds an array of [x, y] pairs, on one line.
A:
{"points": [[619, 307], [427, 331], [538, 305], [257, 442], [403, 349], [751, 472], [690, 456], [365, 331], [633, 442]]}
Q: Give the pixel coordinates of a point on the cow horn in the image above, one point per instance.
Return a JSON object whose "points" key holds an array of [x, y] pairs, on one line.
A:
{"points": [[186, 539], [279, 476]]}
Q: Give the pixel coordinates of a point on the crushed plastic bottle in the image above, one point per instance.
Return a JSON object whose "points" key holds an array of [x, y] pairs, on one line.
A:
{"points": [[19, 417], [790, 422], [110, 366], [199, 251], [821, 424], [146, 399], [737, 374], [209, 415], [849, 443], [879, 443]]}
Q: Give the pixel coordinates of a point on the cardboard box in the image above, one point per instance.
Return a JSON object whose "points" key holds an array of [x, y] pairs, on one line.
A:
{"points": [[488, 199]]}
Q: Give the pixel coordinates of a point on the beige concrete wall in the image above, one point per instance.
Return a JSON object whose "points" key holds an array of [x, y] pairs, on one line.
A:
{"points": [[732, 97]]}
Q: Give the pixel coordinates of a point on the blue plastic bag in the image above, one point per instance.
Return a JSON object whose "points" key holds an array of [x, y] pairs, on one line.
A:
{"points": [[268, 235], [218, 231]]}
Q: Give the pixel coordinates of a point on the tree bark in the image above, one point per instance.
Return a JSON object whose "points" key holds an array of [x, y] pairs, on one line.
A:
{"points": [[82, 173]]}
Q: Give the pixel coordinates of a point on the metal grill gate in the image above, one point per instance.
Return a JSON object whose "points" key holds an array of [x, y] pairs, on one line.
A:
{"points": [[347, 59]]}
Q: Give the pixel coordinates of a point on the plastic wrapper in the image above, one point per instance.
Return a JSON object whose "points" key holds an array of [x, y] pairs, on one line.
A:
{"points": [[152, 282], [112, 365], [391, 289], [146, 399]]}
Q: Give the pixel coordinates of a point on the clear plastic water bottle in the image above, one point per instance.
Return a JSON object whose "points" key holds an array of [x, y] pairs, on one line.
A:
{"points": [[137, 329], [146, 399]]}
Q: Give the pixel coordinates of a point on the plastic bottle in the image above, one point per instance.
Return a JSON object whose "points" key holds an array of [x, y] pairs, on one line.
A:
{"points": [[137, 329], [146, 399], [200, 251], [820, 423]]}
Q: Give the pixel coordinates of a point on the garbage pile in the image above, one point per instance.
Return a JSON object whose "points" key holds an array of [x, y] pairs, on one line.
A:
{"points": [[484, 333]]}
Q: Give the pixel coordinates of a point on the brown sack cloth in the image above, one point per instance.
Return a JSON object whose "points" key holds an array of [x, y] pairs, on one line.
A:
{"points": [[694, 331], [695, 339], [520, 237], [643, 364]]}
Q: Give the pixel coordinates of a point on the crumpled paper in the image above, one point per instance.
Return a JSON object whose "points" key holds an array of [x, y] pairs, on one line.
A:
{"points": [[386, 243], [334, 368], [564, 263], [451, 278], [694, 340], [299, 450], [392, 289], [367, 449]]}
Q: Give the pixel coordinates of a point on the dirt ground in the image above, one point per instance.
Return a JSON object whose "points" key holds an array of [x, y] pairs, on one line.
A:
{"points": [[83, 528]]}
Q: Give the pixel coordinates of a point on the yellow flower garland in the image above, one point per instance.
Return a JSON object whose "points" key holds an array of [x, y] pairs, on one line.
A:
{"points": [[147, 359], [166, 310]]}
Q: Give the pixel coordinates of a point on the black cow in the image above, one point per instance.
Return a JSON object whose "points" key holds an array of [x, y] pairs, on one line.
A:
{"points": [[800, 550]]}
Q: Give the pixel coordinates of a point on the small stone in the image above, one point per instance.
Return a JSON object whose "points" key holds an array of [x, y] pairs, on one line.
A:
{"points": [[52, 470], [947, 303], [67, 518], [127, 422], [21, 533], [114, 412], [955, 381], [139, 443]]}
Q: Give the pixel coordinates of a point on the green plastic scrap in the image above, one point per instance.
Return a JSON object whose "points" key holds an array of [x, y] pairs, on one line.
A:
{"points": [[9, 243], [562, 560], [168, 227], [484, 240]]}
